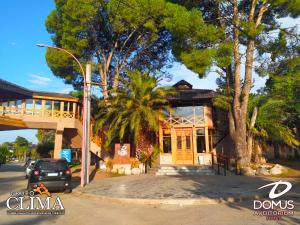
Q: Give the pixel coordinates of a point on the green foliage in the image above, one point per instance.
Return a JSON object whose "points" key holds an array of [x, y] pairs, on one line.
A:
{"points": [[44, 149], [250, 30], [112, 34], [21, 145], [45, 135], [34, 154], [222, 102], [46, 142], [4, 153], [197, 60], [21, 142], [138, 107], [21, 152]]}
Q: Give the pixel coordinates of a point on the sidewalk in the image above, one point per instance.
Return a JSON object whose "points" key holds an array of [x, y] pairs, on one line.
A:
{"points": [[185, 190]]}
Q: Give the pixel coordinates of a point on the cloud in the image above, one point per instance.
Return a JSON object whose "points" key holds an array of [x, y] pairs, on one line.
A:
{"points": [[40, 80], [39, 77], [13, 43], [66, 90]]}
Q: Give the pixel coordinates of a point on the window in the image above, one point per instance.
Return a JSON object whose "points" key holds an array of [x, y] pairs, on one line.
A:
{"points": [[179, 142], [200, 132], [184, 111], [200, 140], [12, 103], [56, 105], [66, 106], [166, 141], [38, 104], [188, 142], [29, 104], [199, 111], [48, 105], [19, 104], [70, 106]]}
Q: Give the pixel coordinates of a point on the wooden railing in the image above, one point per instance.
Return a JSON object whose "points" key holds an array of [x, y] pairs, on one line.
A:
{"points": [[185, 120], [6, 110]]}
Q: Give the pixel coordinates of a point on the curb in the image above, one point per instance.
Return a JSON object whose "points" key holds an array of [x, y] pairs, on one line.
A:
{"points": [[181, 202]]}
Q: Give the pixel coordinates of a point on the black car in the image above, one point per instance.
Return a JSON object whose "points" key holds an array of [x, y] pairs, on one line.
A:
{"points": [[55, 174]]}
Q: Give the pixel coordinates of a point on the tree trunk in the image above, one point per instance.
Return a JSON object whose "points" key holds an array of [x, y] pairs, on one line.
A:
{"points": [[250, 135], [239, 105], [144, 142]]}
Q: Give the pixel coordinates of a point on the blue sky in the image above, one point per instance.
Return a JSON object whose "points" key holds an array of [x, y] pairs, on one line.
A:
{"points": [[22, 27]]}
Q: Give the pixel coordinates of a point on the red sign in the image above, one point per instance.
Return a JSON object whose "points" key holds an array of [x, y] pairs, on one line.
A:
{"points": [[122, 154]]}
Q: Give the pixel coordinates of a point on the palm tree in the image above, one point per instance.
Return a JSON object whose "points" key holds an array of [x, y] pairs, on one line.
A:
{"points": [[135, 110]]}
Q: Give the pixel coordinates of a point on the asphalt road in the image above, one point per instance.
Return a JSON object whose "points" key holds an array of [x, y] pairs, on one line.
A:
{"points": [[82, 211]]}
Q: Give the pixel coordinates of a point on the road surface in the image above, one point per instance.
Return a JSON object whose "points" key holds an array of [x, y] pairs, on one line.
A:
{"points": [[81, 211]]}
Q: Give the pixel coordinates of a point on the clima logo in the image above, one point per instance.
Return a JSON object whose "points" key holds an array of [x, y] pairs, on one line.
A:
{"points": [[36, 202]]}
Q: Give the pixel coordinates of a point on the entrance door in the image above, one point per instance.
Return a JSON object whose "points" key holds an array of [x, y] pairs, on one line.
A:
{"points": [[184, 146]]}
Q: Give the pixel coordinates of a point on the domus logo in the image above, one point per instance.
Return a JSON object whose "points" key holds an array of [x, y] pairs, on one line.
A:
{"points": [[274, 209], [272, 193]]}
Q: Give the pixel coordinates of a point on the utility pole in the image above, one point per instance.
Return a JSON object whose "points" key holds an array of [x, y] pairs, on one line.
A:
{"points": [[87, 126], [87, 82]]}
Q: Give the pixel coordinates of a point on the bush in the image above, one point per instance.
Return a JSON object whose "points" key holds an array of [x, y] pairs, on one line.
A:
{"points": [[44, 149], [109, 163], [135, 163], [4, 153]]}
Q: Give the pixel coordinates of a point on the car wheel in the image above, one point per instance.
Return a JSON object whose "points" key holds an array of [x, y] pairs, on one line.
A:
{"points": [[69, 190]]}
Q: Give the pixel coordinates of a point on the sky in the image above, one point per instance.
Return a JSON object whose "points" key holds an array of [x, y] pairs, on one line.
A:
{"points": [[22, 63]]}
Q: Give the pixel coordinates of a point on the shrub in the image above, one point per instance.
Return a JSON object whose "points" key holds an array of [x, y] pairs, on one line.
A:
{"points": [[135, 163], [109, 163]]}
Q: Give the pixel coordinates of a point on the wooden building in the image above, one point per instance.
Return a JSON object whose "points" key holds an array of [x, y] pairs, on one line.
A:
{"points": [[187, 138]]}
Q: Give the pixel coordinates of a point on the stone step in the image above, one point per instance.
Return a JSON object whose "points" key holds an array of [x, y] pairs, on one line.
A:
{"points": [[184, 173], [185, 170]]}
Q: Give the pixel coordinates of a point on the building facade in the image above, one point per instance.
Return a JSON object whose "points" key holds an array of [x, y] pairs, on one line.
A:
{"points": [[187, 137]]}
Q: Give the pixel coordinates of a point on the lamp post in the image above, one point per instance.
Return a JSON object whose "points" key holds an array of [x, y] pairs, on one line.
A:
{"points": [[86, 115]]}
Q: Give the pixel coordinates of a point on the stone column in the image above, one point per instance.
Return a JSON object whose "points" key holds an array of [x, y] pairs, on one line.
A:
{"points": [[58, 143]]}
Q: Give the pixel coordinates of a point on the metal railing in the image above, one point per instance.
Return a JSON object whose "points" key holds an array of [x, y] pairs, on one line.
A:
{"points": [[221, 162], [148, 161]]}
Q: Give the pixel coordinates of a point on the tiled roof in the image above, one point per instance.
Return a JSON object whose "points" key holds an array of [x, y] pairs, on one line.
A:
{"points": [[185, 93]]}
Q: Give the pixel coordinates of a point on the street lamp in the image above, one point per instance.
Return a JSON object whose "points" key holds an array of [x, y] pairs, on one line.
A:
{"points": [[86, 115]]}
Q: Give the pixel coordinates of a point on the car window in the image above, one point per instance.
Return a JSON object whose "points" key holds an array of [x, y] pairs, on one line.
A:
{"points": [[52, 165]]}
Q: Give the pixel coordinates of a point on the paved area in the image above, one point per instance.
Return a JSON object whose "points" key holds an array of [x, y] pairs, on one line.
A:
{"points": [[92, 211], [183, 187]]}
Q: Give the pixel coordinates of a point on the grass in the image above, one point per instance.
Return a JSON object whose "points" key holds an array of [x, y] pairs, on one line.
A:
{"points": [[74, 166], [117, 175]]}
